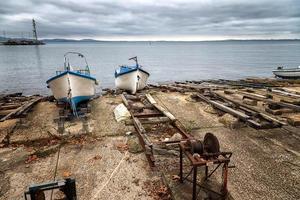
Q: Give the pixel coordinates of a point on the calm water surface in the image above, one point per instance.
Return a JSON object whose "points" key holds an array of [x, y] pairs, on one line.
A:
{"points": [[26, 68]]}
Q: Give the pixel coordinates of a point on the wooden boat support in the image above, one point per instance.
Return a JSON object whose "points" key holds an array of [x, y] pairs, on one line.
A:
{"points": [[20, 106], [270, 101], [245, 113], [150, 113]]}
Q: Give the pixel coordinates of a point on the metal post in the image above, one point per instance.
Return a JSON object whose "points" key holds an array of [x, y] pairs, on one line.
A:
{"points": [[34, 30], [195, 183], [225, 175], [181, 172]]}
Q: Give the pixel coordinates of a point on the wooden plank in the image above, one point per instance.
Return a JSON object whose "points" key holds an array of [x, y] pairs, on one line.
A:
{"points": [[150, 120], [156, 114], [246, 94], [125, 100], [294, 120], [160, 108], [285, 93], [264, 115], [283, 104], [8, 107], [21, 109], [6, 112], [142, 131], [224, 108]]}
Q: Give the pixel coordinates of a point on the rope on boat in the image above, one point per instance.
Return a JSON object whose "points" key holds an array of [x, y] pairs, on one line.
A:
{"points": [[72, 103]]}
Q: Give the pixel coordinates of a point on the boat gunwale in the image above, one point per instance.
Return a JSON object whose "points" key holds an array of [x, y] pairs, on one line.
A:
{"points": [[129, 71], [70, 72]]}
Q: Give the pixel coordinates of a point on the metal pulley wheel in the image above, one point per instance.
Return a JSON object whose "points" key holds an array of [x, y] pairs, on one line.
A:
{"points": [[211, 143]]}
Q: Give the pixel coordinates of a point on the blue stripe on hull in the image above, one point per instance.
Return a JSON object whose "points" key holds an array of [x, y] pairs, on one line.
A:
{"points": [[75, 100]]}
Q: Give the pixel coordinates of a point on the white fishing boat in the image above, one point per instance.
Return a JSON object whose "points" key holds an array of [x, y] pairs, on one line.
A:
{"points": [[290, 73], [131, 78], [72, 85]]}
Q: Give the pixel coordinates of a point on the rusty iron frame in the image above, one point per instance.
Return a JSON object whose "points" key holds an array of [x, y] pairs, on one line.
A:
{"points": [[205, 159], [142, 134]]}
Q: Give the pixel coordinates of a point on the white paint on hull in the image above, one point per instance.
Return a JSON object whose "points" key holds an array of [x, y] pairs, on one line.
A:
{"points": [[70, 85], [132, 81], [287, 73]]}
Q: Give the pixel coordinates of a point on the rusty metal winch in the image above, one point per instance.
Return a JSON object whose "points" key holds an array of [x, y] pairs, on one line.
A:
{"points": [[205, 153]]}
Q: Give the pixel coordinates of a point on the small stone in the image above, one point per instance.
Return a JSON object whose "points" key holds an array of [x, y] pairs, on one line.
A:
{"points": [[176, 137], [134, 145], [128, 133]]}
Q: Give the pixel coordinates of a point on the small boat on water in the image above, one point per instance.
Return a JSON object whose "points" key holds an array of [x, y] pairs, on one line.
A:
{"points": [[73, 85], [290, 73], [131, 78]]}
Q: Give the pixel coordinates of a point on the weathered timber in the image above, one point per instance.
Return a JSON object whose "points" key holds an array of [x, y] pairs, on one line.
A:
{"points": [[160, 108], [6, 112], [4, 96], [285, 93], [151, 114], [294, 120], [142, 131], [193, 87], [150, 120], [248, 108], [9, 106], [126, 103], [21, 109], [224, 108], [279, 111], [270, 101], [174, 88]]}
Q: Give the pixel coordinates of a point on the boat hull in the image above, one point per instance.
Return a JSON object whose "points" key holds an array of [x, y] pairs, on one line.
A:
{"points": [[132, 81], [72, 88], [287, 74]]}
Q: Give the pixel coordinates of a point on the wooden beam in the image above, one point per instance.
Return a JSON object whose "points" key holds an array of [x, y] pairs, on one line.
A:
{"points": [[150, 120], [125, 100], [242, 106], [283, 104], [21, 109], [160, 108], [224, 108]]}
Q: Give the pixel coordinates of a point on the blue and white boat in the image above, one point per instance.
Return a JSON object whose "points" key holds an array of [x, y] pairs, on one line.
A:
{"points": [[131, 78], [72, 85]]}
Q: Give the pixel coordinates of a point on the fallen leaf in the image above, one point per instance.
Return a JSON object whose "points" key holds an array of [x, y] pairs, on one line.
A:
{"points": [[66, 174], [122, 147], [31, 158]]}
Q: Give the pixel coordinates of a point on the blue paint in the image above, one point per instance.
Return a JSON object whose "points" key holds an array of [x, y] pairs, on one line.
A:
{"points": [[73, 73], [127, 69], [75, 100]]}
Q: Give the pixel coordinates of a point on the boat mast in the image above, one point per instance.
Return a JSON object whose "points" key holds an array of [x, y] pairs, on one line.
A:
{"points": [[34, 30], [135, 59]]}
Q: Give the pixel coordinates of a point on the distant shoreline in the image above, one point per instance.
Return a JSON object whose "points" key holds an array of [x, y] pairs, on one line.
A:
{"points": [[150, 41]]}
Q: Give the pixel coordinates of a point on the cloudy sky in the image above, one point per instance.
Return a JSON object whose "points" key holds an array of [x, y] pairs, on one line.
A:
{"points": [[153, 19]]}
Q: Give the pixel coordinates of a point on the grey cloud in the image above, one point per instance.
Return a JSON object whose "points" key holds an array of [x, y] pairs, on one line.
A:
{"points": [[105, 19]]}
